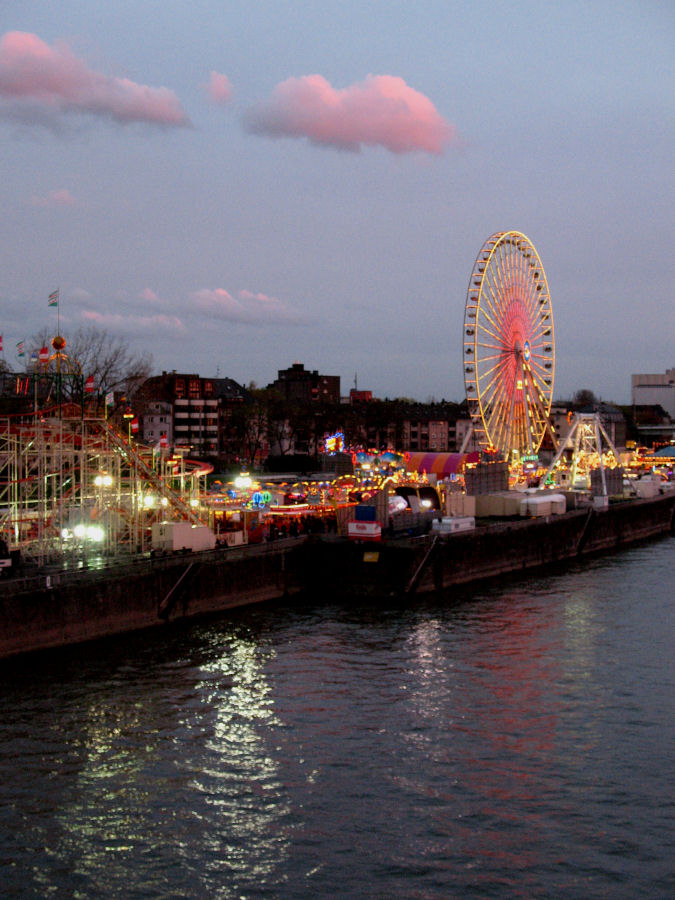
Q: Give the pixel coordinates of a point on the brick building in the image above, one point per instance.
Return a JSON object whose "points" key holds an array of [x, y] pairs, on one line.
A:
{"points": [[188, 411], [299, 385]]}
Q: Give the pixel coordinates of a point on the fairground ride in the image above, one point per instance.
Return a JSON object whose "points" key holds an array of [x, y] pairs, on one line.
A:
{"points": [[73, 486], [509, 348], [590, 448]]}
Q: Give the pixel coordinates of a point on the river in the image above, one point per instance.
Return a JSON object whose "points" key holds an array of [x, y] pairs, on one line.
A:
{"points": [[515, 739]]}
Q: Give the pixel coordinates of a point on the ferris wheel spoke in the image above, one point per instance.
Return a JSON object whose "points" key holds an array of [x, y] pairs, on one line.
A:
{"points": [[537, 410], [505, 423], [501, 289], [500, 296], [538, 372], [536, 390], [542, 374], [492, 312], [504, 278], [494, 423], [539, 330], [498, 347], [493, 334], [500, 412], [491, 351], [500, 370], [540, 392], [502, 405], [495, 419], [490, 363]]}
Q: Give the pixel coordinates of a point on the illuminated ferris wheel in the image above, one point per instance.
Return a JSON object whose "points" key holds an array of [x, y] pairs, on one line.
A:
{"points": [[509, 349]]}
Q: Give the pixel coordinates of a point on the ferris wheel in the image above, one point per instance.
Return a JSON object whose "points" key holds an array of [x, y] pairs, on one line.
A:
{"points": [[509, 349]]}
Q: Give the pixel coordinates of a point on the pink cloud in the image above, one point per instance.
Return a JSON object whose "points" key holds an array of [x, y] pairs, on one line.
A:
{"points": [[380, 111], [149, 295], [44, 78], [246, 307], [219, 88], [61, 197], [117, 322]]}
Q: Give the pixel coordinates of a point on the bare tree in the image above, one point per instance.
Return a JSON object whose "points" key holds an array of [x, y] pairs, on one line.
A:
{"points": [[93, 353], [584, 397]]}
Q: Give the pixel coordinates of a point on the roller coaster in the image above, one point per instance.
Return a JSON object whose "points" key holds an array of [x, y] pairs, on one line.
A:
{"points": [[74, 486]]}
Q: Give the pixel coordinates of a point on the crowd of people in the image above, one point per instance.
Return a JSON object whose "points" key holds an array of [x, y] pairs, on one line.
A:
{"points": [[279, 527]]}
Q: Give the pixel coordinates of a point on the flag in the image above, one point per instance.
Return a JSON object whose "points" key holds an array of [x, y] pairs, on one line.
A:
{"points": [[54, 298], [89, 385], [21, 348], [110, 399], [134, 425], [0, 343], [44, 354], [163, 442]]}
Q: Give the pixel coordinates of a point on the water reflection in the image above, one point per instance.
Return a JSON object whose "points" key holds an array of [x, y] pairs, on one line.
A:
{"points": [[241, 802], [516, 743], [482, 719]]}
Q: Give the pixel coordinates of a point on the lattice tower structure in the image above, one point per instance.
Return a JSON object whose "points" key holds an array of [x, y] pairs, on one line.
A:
{"points": [[63, 480]]}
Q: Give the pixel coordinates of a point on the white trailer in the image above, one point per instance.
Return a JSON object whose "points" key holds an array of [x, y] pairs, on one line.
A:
{"points": [[168, 537]]}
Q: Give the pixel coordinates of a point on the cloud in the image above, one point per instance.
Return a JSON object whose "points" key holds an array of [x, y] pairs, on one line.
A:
{"points": [[61, 197], [149, 295], [133, 323], [246, 307], [36, 80], [219, 88], [381, 111], [80, 295]]}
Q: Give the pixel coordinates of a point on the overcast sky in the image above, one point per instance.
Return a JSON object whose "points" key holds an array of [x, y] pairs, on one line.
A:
{"points": [[236, 186]]}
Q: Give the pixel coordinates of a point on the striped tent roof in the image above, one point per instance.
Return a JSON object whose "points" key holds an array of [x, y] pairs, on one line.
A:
{"points": [[440, 464], [667, 452]]}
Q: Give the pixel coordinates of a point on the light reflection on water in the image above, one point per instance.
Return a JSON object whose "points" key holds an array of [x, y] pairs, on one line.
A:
{"points": [[510, 740]]}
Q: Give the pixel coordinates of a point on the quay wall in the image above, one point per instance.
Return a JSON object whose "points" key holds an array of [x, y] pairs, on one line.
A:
{"points": [[425, 564], [84, 605], [530, 544], [92, 604]]}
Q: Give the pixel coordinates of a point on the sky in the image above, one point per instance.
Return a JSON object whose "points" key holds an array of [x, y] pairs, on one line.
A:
{"points": [[235, 187]]}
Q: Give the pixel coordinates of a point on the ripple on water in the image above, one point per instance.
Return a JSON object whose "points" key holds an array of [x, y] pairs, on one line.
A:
{"points": [[509, 740]]}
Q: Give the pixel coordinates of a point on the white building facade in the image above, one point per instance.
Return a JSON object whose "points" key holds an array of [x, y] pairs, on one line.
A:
{"points": [[652, 390]]}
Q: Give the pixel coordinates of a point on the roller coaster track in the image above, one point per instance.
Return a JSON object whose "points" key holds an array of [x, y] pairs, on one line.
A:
{"points": [[140, 466]]}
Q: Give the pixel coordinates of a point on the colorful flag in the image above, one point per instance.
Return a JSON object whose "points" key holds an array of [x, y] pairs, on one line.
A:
{"points": [[163, 442], [44, 354], [89, 385], [21, 348], [0, 343], [110, 399], [134, 425], [54, 298]]}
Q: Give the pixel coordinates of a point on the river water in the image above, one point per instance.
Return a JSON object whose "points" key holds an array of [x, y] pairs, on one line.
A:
{"points": [[511, 740]]}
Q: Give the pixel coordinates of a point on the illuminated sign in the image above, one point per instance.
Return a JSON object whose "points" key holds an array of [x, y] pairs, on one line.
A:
{"points": [[334, 443]]}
